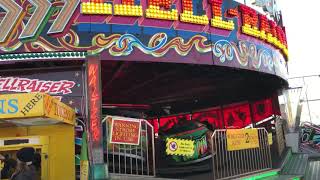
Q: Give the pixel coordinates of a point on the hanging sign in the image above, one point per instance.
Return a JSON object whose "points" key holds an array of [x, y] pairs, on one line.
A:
{"points": [[238, 139], [125, 131], [182, 147]]}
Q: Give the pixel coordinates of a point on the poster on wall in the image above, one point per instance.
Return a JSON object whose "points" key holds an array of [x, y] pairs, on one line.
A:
{"points": [[125, 131]]}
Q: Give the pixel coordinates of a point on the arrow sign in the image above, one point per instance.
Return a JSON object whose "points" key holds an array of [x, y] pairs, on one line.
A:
{"points": [[64, 17], [11, 20], [37, 21]]}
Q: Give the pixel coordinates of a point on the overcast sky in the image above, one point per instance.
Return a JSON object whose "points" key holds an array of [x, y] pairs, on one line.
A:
{"points": [[302, 27]]}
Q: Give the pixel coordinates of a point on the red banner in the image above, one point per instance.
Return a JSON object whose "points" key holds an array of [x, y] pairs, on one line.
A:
{"points": [[237, 116], [167, 123], [262, 109], [212, 117], [125, 131]]}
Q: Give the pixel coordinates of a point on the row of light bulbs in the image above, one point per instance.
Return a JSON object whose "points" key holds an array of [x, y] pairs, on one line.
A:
{"points": [[255, 32], [219, 23], [154, 12], [187, 16], [128, 10]]}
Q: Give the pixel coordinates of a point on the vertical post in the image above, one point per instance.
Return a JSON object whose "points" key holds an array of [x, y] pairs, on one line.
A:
{"points": [[304, 83], [98, 169]]}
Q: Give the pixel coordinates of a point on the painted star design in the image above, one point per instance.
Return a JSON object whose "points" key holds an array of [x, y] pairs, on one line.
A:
{"points": [[70, 102], [77, 74]]}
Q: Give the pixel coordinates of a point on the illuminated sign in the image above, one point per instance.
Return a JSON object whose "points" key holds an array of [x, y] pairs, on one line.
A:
{"points": [[211, 16], [15, 84], [94, 105], [250, 22], [94, 95], [125, 131]]}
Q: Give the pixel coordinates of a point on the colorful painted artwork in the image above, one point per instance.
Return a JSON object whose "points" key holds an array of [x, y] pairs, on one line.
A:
{"points": [[212, 32]]}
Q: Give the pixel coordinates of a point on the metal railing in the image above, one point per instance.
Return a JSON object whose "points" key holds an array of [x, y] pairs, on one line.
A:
{"points": [[231, 164], [130, 159]]}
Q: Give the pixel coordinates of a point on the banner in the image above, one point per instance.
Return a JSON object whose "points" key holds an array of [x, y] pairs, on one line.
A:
{"points": [[238, 139], [262, 109], [125, 131], [30, 105], [212, 117], [182, 147], [21, 106], [57, 110], [237, 116]]}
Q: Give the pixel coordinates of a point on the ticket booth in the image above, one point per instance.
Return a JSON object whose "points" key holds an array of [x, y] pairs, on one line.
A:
{"points": [[44, 123]]}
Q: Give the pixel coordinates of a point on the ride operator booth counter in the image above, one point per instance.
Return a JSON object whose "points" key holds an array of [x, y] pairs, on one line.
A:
{"points": [[43, 122]]}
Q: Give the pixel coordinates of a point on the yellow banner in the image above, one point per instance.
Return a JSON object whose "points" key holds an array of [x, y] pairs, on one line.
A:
{"points": [[270, 138], [21, 106], [1, 166], [84, 170], [181, 147], [238, 139], [57, 110], [30, 105]]}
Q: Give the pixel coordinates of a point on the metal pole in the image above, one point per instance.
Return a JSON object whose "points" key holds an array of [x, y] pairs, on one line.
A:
{"points": [[304, 83]]}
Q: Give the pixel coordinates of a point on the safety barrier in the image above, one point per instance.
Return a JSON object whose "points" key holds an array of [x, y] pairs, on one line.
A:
{"points": [[231, 164], [133, 160]]}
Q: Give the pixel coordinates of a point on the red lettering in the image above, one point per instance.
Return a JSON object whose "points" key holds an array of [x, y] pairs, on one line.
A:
{"points": [[54, 87], [13, 84], [22, 84], [249, 16], [5, 86], [2, 81], [281, 35], [46, 86], [66, 87], [264, 24], [273, 28], [32, 86], [161, 3], [128, 2], [216, 6], [187, 5], [94, 99]]}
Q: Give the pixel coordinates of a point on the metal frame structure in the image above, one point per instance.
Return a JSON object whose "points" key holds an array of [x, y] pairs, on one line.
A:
{"points": [[129, 160], [232, 164]]}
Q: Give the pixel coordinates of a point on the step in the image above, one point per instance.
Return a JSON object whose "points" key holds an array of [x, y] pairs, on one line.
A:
{"points": [[313, 170], [296, 165]]}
